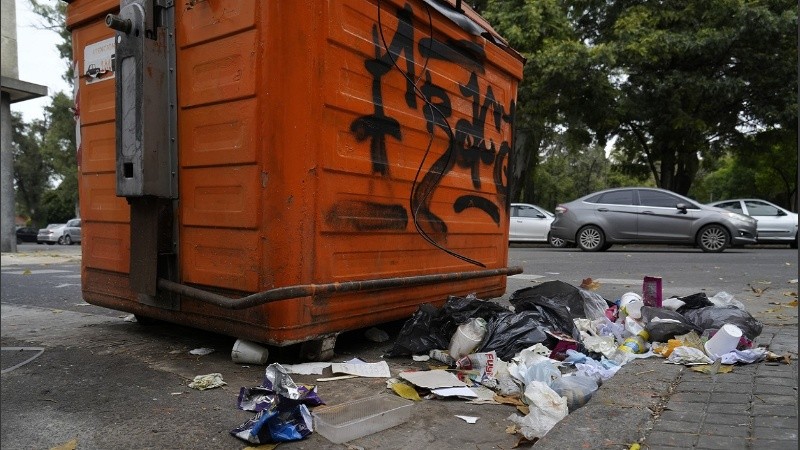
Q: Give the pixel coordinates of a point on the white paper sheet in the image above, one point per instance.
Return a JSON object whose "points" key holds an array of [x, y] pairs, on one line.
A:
{"points": [[432, 379], [454, 392], [370, 370]]}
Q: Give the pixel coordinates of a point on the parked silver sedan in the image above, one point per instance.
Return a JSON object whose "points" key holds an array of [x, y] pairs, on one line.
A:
{"points": [[775, 224], [649, 216]]}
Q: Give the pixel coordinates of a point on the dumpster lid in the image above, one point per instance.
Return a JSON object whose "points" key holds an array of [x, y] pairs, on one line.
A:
{"points": [[472, 22]]}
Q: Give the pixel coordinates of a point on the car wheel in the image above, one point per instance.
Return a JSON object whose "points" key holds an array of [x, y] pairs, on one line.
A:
{"points": [[605, 247], [794, 242], [556, 242], [713, 238], [67, 240], [591, 239]]}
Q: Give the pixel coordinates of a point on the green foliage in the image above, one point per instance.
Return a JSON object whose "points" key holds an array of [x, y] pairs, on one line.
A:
{"points": [[677, 85], [694, 77], [54, 18], [31, 170], [45, 160]]}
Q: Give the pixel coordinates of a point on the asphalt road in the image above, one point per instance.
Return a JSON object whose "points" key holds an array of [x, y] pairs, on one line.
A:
{"points": [[108, 383]]}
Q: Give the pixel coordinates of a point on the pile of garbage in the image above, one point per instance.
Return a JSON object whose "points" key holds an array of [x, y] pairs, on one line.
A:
{"points": [[546, 355], [558, 343]]}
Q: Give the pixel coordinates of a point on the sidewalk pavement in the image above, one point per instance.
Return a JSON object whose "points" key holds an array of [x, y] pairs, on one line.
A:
{"points": [[667, 406]]}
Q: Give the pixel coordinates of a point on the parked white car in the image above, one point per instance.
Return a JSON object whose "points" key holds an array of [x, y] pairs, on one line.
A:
{"points": [[51, 234], [775, 225], [72, 233], [531, 223]]}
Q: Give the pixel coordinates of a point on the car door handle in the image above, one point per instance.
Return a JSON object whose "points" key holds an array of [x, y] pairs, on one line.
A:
{"points": [[602, 209], [648, 212], [519, 221]]}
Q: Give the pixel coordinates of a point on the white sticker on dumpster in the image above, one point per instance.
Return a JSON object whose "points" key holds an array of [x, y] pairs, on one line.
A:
{"points": [[98, 61]]}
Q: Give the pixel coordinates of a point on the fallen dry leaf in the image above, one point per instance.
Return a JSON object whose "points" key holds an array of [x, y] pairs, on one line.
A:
{"points": [[71, 445], [709, 370], [757, 291], [589, 284]]}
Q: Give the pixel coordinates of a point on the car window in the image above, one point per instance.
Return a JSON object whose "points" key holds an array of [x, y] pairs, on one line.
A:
{"points": [[616, 198], [760, 209], [659, 199], [731, 206], [526, 211], [592, 199]]}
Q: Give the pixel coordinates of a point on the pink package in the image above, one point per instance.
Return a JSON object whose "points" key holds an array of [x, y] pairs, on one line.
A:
{"points": [[651, 291]]}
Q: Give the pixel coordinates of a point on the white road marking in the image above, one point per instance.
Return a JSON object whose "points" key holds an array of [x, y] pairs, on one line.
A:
{"points": [[36, 272], [525, 276]]}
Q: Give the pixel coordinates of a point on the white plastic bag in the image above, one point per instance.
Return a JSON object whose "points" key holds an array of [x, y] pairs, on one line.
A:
{"points": [[546, 409], [725, 299]]}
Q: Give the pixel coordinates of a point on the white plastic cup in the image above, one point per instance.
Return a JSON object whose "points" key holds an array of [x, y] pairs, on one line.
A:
{"points": [[724, 341], [246, 352], [631, 303], [467, 337]]}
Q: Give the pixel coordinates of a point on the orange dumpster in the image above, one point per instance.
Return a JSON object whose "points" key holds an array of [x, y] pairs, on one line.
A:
{"points": [[285, 171]]}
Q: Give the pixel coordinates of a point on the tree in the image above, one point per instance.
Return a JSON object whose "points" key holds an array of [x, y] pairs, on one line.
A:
{"points": [[48, 145], [694, 77], [565, 89], [31, 170], [54, 19]]}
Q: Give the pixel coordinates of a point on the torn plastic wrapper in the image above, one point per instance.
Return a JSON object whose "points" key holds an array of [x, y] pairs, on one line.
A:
{"points": [[276, 425], [281, 407]]}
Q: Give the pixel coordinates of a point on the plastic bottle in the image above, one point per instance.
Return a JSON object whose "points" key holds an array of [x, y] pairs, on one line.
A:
{"points": [[467, 337], [636, 343]]}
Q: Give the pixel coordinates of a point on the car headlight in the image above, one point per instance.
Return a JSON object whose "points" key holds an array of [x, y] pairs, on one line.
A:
{"points": [[736, 217]]}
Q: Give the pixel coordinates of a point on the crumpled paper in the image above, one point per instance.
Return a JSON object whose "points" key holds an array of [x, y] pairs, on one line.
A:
{"points": [[210, 381], [688, 356]]}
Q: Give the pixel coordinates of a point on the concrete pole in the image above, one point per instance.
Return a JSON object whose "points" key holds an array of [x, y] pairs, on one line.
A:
{"points": [[9, 68], [12, 90]]}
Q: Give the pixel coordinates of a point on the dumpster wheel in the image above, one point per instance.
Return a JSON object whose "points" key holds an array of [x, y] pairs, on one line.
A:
{"points": [[318, 349]]}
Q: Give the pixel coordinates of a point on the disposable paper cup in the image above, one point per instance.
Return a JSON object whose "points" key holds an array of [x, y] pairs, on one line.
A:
{"points": [[628, 297], [246, 352], [724, 341], [632, 303]]}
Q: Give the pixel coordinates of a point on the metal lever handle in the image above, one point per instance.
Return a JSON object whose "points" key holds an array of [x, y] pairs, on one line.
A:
{"points": [[118, 23]]}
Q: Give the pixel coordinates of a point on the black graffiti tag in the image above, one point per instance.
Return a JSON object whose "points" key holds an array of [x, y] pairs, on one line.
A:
{"points": [[377, 125]]}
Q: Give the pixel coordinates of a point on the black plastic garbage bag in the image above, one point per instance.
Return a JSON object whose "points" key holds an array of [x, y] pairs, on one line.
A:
{"points": [[582, 303], [551, 313], [509, 333], [459, 310], [432, 328], [714, 317], [675, 325], [420, 333], [694, 301]]}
